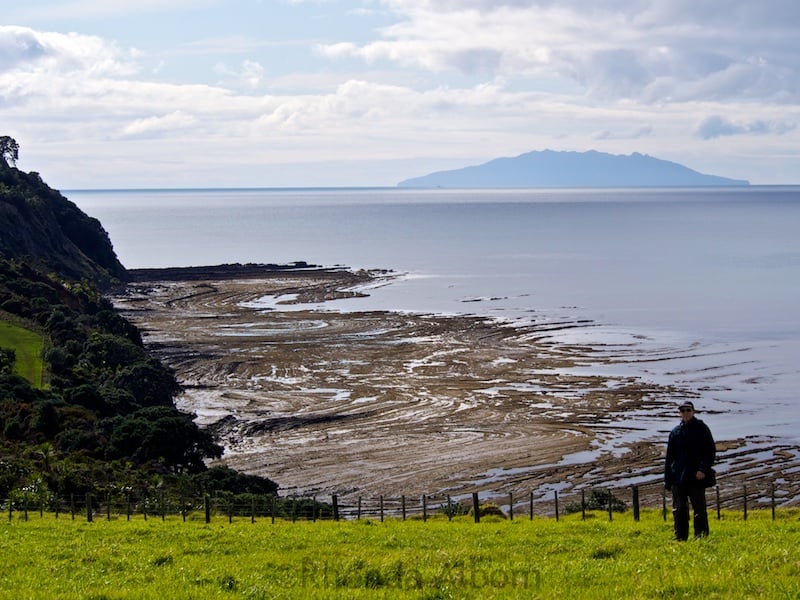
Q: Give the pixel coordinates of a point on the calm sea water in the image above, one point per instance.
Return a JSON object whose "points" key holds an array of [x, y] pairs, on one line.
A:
{"points": [[713, 274]]}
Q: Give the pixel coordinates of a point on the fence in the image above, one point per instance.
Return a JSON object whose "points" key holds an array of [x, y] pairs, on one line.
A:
{"points": [[744, 496]]}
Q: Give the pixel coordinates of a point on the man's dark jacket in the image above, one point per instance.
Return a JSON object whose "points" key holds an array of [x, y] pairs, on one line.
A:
{"points": [[690, 449]]}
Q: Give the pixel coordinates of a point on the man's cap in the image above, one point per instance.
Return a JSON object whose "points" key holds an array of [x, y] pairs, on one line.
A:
{"points": [[686, 404]]}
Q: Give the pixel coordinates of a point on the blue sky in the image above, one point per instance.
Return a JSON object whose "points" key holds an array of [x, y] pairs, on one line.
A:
{"points": [[207, 93]]}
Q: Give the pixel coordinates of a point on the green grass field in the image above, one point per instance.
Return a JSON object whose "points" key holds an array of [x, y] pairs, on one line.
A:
{"points": [[543, 558], [27, 345]]}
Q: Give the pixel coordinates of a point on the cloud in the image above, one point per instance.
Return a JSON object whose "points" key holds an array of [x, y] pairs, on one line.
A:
{"points": [[716, 126], [625, 135], [42, 53], [151, 126], [250, 74], [652, 51]]}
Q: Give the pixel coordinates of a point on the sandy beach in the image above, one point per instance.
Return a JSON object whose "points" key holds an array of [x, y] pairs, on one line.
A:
{"points": [[369, 403]]}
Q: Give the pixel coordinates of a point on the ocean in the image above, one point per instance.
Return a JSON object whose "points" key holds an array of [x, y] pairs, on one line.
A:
{"points": [[705, 282]]}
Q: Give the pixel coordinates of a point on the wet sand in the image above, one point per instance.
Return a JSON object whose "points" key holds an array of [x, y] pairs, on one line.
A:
{"points": [[386, 403]]}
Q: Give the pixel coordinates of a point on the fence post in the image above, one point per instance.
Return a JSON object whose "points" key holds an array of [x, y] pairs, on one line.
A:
{"points": [[636, 503], [745, 502], [274, 507], [511, 506], [314, 509], [207, 507], [772, 499], [403, 506], [335, 502], [10, 510], [610, 505], [72, 505], [719, 504], [583, 505], [449, 508], [25, 508], [230, 511], [476, 507], [555, 495], [252, 509], [664, 503], [381, 509], [531, 506], [358, 514], [128, 506], [89, 508], [424, 509], [108, 506], [182, 500]]}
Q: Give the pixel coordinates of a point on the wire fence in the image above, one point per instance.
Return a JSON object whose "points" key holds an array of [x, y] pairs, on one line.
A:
{"points": [[617, 502]]}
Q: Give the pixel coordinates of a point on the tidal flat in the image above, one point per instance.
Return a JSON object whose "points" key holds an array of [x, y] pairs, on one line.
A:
{"points": [[395, 403]]}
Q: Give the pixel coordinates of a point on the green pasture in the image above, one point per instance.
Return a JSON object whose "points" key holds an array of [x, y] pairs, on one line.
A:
{"points": [[27, 345], [46, 557]]}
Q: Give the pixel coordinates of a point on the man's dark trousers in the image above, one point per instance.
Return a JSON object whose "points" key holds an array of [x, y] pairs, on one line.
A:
{"points": [[681, 496]]}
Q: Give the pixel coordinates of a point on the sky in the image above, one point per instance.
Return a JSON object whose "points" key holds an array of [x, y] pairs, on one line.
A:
{"points": [[316, 93]]}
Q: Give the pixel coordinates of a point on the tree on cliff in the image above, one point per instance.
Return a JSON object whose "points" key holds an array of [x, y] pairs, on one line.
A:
{"points": [[9, 151]]}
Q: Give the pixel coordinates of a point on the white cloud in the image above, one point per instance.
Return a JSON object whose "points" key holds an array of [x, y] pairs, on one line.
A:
{"points": [[656, 50], [159, 124], [716, 126]]}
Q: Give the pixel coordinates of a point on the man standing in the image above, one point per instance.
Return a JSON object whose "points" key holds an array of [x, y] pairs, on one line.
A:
{"points": [[690, 454]]}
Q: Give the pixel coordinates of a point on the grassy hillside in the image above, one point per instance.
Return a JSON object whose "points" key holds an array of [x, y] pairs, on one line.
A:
{"points": [[27, 346], [543, 558]]}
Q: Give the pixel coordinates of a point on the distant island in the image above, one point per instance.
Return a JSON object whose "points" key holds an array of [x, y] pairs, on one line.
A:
{"points": [[549, 168]]}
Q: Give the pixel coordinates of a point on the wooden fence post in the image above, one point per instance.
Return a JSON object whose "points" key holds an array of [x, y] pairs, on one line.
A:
{"points": [[583, 505], [745, 501], [207, 507], [381, 509], [636, 503], [89, 508], [10, 510], [555, 496], [719, 504], [531, 506], [274, 507], [335, 503], [511, 506], [358, 514], [664, 503], [772, 499], [449, 508], [128, 506], [403, 506], [72, 505], [108, 506], [424, 508], [252, 509], [610, 506], [476, 507]]}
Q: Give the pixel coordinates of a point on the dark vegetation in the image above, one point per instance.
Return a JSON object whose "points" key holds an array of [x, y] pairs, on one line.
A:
{"points": [[106, 417]]}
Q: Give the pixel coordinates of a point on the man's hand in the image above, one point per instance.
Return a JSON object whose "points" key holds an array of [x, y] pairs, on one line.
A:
{"points": [[700, 476]]}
